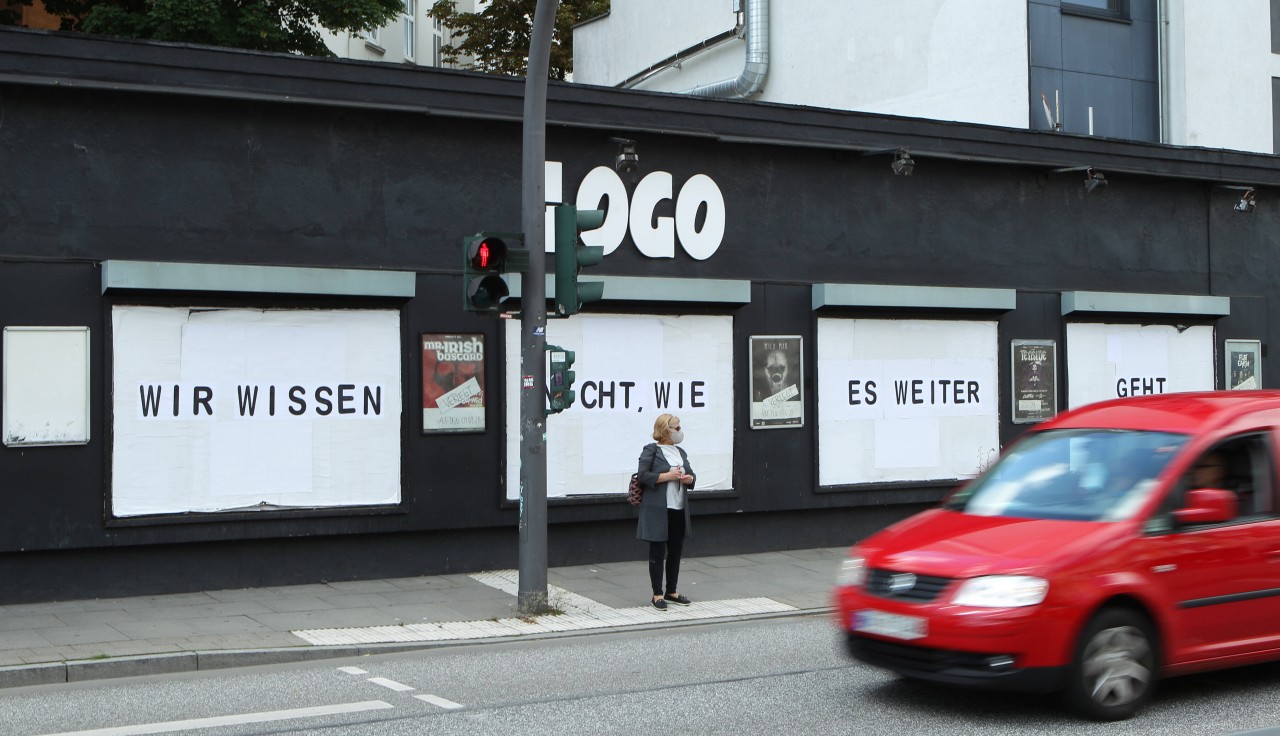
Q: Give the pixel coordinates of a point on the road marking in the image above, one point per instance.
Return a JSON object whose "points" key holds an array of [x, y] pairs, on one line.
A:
{"points": [[219, 721], [352, 670], [439, 701], [392, 684]]}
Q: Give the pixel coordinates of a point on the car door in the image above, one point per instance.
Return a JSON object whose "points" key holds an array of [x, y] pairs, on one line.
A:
{"points": [[1221, 581]]}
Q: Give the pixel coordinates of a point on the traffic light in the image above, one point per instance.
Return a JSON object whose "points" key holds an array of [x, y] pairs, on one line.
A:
{"points": [[571, 256], [560, 393], [486, 258]]}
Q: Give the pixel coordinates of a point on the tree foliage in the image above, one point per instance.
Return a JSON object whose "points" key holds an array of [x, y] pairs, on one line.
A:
{"points": [[497, 38], [259, 25]]}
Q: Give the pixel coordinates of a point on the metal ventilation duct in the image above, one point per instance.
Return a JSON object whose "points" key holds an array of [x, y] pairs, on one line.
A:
{"points": [[751, 80]]}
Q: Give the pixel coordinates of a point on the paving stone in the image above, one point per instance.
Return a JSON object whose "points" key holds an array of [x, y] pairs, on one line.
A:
{"points": [[328, 619], [227, 625], [358, 600], [363, 586], [94, 618], [208, 609], [82, 635], [287, 603], [25, 639], [726, 561], [423, 583], [13, 623], [155, 629]]}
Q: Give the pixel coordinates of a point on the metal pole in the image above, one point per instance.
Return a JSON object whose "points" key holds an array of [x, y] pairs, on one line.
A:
{"points": [[533, 321]]}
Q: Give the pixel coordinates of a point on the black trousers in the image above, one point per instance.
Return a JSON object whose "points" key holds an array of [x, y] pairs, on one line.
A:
{"points": [[669, 550]]}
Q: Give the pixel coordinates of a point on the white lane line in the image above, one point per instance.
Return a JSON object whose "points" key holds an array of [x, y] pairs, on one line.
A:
{"points": [[219, 721], [352, 670], [392, 684], [436, 700]]}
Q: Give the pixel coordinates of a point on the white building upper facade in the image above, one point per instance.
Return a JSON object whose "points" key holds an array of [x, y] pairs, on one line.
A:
{"points": [[1183, 72], [412, 38]]}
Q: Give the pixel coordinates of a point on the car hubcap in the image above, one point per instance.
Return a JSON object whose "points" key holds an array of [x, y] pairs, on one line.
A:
{"points": [[1117, 666]]}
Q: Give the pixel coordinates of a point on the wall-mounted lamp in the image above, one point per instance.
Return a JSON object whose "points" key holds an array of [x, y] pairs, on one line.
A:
{"points": [[627, 162], [1093, 179], [902, 164], [1246, 203]]}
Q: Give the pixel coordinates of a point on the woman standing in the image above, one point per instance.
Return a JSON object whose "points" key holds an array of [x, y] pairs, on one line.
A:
{"points": [[664, 511]]}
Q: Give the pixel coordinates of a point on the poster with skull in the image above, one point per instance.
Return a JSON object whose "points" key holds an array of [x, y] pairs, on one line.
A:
{"points": [[777, 393]]}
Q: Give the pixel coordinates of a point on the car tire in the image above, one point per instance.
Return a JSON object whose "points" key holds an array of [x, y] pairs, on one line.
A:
{"points": [[1115, 667]]}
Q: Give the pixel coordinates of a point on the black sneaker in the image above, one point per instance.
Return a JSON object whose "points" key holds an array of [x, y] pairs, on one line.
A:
{"points": [[679, 600], [660, 604]]}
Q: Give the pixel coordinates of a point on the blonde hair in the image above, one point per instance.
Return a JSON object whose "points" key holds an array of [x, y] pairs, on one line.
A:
{"points": [[662, 427]]}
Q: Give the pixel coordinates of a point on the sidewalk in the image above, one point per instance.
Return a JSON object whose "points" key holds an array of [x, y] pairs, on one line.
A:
{"points": [[71, 641]]}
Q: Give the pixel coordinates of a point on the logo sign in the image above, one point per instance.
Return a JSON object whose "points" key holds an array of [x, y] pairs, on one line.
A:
{"points": [[698, 225]]}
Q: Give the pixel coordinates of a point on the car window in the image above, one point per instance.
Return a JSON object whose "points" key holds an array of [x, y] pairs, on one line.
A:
{"points": [[1242, 464], [1079, 474]]}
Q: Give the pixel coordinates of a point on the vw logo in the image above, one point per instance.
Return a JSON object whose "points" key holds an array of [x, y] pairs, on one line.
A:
{"points": [[901, 582]]}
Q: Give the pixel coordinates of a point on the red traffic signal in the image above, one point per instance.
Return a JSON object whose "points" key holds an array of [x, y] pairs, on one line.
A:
{"points": [[488, 254], [487, 257]]}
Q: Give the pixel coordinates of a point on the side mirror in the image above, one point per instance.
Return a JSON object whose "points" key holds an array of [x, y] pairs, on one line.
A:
{"points": [[1207, 506]]}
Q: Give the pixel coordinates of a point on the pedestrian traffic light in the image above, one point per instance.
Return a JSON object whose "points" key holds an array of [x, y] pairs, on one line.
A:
{"points": [[486, 258], [571, 256], [560, 393]]}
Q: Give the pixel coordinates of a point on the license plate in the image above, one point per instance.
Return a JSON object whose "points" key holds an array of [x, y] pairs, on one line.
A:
{"points": [[893, 625]]}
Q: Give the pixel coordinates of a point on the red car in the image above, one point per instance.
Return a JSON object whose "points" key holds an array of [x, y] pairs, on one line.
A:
{"points": [[1113, 545]]}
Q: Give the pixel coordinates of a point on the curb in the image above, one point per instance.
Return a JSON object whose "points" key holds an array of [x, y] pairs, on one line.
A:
{"points": [[57, 673]]}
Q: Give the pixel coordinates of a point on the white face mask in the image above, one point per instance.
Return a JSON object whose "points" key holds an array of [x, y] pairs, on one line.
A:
{"points": [[677, 437]]}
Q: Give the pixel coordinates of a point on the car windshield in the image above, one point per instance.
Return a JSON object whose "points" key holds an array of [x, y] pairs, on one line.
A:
{"points": [[1077, 474]]}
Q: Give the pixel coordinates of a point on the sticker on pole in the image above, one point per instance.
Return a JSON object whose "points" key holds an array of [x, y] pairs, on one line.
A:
{"points": [[526, 381]]}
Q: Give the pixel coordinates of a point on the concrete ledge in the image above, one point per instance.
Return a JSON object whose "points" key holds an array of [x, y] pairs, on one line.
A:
{"points": [[147, 664], [256, 657], [1125, 303], [913, 297], [161, 276], [25, 675]]}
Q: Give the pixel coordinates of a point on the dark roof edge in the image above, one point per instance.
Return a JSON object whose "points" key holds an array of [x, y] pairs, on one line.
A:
{"points": [[73, 60]]}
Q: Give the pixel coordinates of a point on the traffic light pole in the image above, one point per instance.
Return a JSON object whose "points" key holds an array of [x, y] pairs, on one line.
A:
{"points": [[533, 321]]}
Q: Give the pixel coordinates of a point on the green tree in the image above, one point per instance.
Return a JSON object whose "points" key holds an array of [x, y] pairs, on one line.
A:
{"points": [[259, 25], [498, 37]]}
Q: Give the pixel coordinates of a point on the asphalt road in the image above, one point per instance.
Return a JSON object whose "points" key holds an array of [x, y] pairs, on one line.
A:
{"points": [[785, 675]]}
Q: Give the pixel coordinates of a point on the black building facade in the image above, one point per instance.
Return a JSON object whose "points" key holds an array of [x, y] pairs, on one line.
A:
{"points": [[203, 224]]}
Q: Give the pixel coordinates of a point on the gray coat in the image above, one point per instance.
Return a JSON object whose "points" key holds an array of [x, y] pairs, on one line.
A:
{"points": [[652, 526]]}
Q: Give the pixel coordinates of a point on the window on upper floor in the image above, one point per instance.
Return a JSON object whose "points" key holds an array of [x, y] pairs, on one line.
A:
{"points": [[1116, 9], [410, 27]]}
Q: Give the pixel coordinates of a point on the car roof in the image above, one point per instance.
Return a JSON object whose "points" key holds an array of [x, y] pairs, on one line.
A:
{"points": [[1183, 413]]}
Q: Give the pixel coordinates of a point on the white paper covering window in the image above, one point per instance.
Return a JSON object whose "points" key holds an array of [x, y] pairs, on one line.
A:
{"points": [[905, 400], [221, 409], [1110, 361], [630, 369]]}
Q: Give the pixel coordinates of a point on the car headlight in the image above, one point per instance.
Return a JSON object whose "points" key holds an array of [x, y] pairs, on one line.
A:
{"points": [[1002, 591], [853, 571]]}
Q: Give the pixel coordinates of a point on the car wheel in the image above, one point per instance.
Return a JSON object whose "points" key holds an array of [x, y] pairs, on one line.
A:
{"points": [[1114, 672]]}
